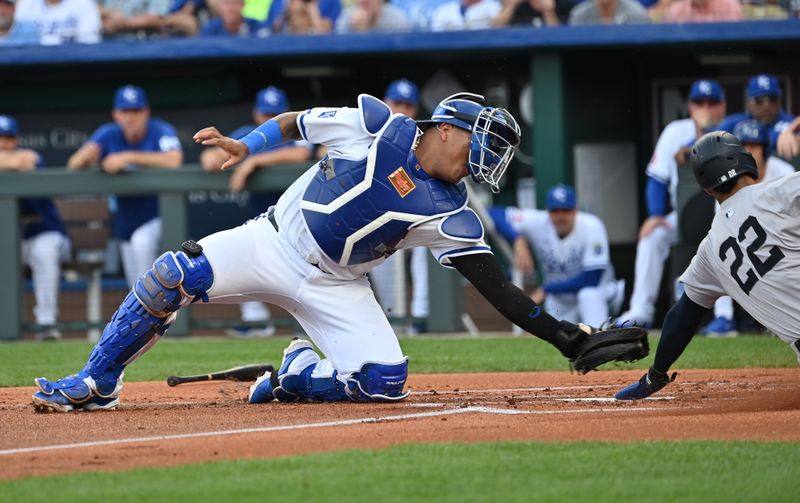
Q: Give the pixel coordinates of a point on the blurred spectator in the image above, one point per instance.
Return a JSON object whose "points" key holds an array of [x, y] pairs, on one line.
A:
{"points": [[139, 18], [789, 141], [15, 32], [608, 12], [765, 9], [44, 240], [133, 141], [62, 21], [703, 11], [419, 12], [658, 232], [402, 96], [529, 13], [307, 16], [269, 102], [231, 22], [372, 15], [764, 105], [465, 15], [755, 139], [186, 16]]}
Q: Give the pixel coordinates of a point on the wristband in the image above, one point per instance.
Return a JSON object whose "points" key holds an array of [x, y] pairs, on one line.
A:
{"points": [[264, 136]]}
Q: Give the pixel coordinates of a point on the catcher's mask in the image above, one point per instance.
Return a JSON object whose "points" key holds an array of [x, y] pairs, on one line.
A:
{"points": [[495, 134]]}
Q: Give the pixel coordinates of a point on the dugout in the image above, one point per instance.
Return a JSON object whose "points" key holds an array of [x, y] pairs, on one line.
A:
{"points": [[598, 93]]}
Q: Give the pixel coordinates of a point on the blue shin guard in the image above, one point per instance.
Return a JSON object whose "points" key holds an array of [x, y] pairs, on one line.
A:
{"points": [[176, 279], [303, 375]]}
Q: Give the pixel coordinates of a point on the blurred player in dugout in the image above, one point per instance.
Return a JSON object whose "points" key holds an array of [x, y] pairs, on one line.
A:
{"points": [[572, 251], [44, 240], [402, 96], [134, 140], [269, 102]]}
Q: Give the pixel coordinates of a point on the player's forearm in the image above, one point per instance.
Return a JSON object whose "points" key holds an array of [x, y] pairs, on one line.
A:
{"points": [[81, 159], [15, 161], [171, 159], [680, 325], [657, 197], [280, 129], [485, 274]]}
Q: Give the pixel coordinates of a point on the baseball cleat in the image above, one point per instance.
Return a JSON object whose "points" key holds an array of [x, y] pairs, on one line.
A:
{"points": [[719, 327], [651, 382], [261, 390], [76, 392]]}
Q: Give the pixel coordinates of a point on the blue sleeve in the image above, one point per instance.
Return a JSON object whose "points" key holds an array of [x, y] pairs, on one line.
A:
{"points": [[498, 214], [657, 197], [574, 284], [275, 10], [330, 9], [103, 134]]}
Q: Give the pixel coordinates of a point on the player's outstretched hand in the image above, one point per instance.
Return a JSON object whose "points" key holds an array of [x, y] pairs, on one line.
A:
{"points": [[235, 149], [651, 382]]}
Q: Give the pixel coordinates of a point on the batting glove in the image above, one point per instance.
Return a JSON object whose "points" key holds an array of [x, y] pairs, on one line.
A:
{"points": [[651, 382]]}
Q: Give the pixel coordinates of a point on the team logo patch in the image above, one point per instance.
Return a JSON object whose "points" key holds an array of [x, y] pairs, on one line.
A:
{"points": [[402, 182]]}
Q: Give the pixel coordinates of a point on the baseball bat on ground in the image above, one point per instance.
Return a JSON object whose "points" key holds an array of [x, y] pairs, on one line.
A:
{"points": [[241, 373]]}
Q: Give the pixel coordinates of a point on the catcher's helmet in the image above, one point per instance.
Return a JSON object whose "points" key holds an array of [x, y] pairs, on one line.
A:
{"points": [[719, 157], [495, 134]]}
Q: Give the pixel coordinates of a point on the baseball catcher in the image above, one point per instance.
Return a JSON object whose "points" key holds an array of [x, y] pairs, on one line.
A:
{"points": [[387, 183]]}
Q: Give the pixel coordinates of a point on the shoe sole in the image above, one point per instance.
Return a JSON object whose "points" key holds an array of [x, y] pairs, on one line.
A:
{"points": [[43, 406]]}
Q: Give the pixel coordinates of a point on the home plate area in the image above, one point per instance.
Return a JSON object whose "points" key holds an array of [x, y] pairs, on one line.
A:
{"points": [[156, 425]]}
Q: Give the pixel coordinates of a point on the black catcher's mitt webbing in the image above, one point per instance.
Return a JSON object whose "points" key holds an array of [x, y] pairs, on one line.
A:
{"points": [[616, 344], [482, 270]]}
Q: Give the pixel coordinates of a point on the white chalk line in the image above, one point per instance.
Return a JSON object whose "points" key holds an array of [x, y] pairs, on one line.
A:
{"points": [[344, 422]]}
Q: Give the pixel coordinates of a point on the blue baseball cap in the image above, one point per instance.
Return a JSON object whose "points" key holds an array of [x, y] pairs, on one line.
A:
{"points": [[706, 89], [751, 131], [561, 197], [8, 126], [271, 101], [130, 98], [763, 85], [403, 90]]}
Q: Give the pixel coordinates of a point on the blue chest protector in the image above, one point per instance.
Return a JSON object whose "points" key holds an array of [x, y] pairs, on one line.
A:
{"points": [[357, 211]]}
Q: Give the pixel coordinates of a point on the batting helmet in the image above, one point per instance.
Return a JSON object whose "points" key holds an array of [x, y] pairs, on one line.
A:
{"points": [[495, 134], [719, 157]]}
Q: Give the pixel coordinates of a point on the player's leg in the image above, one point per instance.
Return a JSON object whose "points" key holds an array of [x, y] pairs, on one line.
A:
{"points": [[420, 304], [43, 253], [144, 245], [651, 253], [174, 280], [229, 266], [593, 305], [563, 307], [364, 360]]}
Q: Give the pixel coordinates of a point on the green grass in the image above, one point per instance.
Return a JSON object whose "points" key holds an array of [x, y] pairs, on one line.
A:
{"points": [[20, 362], [501, 472]]}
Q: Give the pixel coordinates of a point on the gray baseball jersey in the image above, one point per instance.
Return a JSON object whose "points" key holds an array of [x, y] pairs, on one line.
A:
{"points": [[752, 253]]}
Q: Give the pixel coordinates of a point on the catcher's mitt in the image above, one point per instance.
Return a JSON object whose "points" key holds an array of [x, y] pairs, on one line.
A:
{"points": [[624, 344]]}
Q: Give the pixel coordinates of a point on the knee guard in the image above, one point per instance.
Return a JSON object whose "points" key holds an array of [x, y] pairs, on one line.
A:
{"points": [[378, 382], [176, 279], [303, 375]]}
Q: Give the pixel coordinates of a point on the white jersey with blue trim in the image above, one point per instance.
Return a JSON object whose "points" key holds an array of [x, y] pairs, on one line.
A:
{"points": [[343, 131], [558, 259], [752, 253], [663, 166]]}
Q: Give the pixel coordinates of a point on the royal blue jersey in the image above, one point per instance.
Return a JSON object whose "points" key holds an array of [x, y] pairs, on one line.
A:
{"points": [[134, 211], [249, 27], [774, 129], [39, 214]]}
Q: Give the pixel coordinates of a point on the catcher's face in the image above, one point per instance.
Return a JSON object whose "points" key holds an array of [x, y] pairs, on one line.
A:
{"points": [[450, 157], [563, 221]]}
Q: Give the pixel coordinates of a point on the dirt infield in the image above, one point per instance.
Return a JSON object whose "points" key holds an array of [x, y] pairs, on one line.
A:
{"points": [[161, 426]]}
